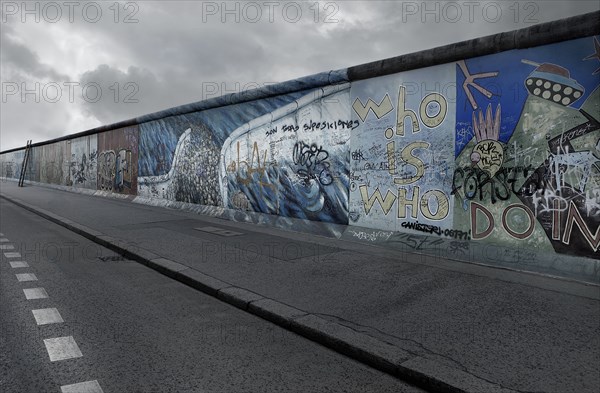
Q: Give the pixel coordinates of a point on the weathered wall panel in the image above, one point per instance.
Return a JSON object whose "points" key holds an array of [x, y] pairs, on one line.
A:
{"points": [[11, 164], [118, 160], [83, 169], [54, 163]]}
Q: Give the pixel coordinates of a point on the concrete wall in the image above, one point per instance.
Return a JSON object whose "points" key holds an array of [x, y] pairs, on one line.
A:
{"points": [[501, 148], [83, 165], [118, 160]]}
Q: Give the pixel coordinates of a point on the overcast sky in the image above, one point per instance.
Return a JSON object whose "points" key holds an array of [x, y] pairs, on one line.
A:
{"points": [[86, 64]]}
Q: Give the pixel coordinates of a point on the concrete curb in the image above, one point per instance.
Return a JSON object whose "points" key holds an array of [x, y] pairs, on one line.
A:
{"points": [[425, 373], [581, 271]]}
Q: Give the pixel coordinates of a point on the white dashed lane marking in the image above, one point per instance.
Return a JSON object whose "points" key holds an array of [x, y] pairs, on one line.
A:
{"points": [[45, 316], [82, 387], [62, 348], [59, 348], [12, 255], [26, 277], [35, 293]]}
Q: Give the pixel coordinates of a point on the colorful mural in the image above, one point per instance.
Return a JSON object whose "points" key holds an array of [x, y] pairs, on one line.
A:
{"points": [[500, 149], [510, 154], [528, 155]]}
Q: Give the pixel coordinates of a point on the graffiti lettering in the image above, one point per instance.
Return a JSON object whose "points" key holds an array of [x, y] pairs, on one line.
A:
{"points": [[479, 234], [574, 217], [289, 128], [106, 170], [80, 168], [357, 155], [417, 203], [418, 242], [434, 229], [457, 234], [313, 160], [473, 181], [330, 125], [422, 227], [115, 170], [245, 170], [489, 153], [371, 236], [408, 156]]}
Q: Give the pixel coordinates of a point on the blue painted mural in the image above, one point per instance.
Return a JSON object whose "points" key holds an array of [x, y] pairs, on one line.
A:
{"points": [[293, 161]]}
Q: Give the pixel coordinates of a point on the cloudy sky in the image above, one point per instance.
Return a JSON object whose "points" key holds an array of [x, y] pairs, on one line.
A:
{"points": [[68, 67]]}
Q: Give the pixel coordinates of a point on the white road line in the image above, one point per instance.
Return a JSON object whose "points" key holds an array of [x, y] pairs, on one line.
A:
{"points": [[82, 387], [62, 348], [35, 293], [12, 255], [26, 277], [4, 240], [18, 264], [7, 247], [45, 316]]}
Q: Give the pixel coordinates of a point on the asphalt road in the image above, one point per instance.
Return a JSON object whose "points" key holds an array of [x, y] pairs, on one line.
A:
{"points": [[115, 325]]}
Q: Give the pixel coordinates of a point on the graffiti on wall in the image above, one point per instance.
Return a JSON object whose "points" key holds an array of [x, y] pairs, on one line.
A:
{"points": [[83, 165], [292, 162], [118, 161], [528, 153], [402, 152], [500, 149], [115, 170]]}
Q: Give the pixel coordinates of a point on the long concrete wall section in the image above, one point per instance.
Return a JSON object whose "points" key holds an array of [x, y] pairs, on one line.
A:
{"points": [[490, 141]]}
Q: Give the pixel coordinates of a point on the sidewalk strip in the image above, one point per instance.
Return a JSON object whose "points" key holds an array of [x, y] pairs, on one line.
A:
{"points": [[62, 348], [26, 277], [82, 387], [35, 293], [12, 255], [18, 264], [45, 316]]}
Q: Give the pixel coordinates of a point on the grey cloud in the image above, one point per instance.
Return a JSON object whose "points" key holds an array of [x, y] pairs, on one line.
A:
{"points": [[111, 95], [174, 56], [19, 56]]}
